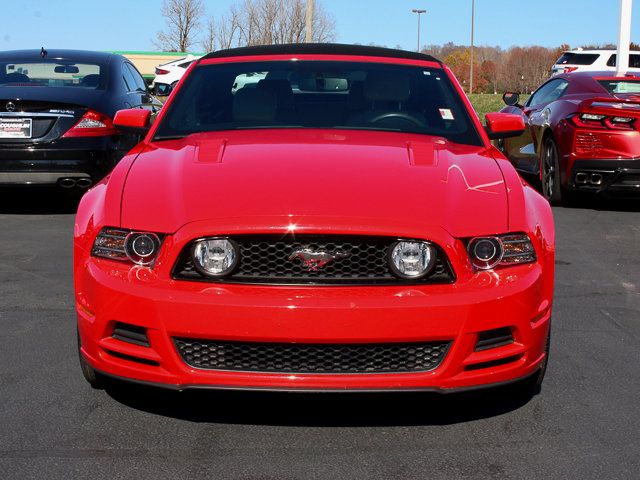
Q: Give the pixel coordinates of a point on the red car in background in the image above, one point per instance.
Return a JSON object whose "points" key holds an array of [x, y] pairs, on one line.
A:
{"points": [[582, 134], [341, 223]]}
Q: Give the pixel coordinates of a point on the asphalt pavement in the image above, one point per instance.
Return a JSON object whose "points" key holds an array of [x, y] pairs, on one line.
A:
{"points": [[585, 424]]}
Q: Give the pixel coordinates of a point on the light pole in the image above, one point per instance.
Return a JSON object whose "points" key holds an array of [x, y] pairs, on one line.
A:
{"points": [[419, 12], [309, 26], [624, 37], [473, 14]]}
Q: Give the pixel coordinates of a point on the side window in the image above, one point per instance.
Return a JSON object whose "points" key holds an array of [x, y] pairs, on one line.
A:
{"points": [[129, 82], [634, 61], [549, 92], [138, 82]]}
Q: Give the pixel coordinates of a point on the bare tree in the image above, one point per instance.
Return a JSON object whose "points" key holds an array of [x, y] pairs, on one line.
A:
{"points": [[221, 34], [264, 22], [183, 19], [228, 33], [209, 41]]}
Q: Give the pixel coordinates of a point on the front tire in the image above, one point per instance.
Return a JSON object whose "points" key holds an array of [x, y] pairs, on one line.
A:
{"points": [[95, 379], [532, 385]]}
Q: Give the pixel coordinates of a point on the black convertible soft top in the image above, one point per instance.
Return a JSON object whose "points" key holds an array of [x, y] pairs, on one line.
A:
{"points": [[320, 49]]}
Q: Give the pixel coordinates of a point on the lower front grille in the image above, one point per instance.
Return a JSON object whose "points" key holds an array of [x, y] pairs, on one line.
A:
{"points": [[312, 358]]}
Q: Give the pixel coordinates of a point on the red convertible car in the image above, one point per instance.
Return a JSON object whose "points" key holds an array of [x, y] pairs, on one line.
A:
{"points": [[337, 220], [582, 135]]}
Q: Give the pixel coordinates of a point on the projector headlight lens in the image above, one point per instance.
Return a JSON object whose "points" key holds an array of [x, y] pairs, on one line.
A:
{"points": [[141, 248], [486, 253]]}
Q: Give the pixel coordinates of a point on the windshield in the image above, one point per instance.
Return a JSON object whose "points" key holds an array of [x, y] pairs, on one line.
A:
{"points": [[621, 86], [51, 73], [318, 94]]}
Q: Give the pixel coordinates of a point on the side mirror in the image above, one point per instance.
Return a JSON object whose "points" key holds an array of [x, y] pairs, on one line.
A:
{"points": [[511, 98], [133, 120], [504, 125]]}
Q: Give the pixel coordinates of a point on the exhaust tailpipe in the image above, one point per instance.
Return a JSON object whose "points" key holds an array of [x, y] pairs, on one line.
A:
{"points": [[582, 178], [84, 182], [596, 179], [67, 182]]}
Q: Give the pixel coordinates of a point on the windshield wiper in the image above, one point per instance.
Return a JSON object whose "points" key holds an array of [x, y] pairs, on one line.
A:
{"points": [[170, 137]]}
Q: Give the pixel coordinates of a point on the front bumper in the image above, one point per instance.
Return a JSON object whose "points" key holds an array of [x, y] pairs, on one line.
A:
{"points": [[109, 292], [606, 176]]}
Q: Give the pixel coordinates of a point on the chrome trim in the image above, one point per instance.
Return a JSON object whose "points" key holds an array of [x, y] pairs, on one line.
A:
{"points": [[35, 114], [37, 177]]}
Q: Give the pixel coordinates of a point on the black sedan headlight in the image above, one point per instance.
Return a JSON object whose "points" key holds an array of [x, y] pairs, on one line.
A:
{"points": [[141, 248], [486, 253]]}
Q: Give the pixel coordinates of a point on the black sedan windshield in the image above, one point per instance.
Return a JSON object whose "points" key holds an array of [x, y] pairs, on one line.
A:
{"points": [[318, 94]]}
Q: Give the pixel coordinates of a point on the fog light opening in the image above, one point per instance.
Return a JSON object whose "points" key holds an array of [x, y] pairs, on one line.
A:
{"points": [[494, 339], [131, 334]]}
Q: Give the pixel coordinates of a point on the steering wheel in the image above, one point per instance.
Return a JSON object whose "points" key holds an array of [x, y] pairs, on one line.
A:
{"points": [[401, 115]]}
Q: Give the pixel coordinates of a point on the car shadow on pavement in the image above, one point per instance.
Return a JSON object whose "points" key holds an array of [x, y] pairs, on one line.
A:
{"points": [[320, 409], [37, 200], [608, 204]]}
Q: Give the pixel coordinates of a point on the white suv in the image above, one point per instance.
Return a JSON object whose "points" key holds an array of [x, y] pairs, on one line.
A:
{"points": [[592, 60], [168, 74]]}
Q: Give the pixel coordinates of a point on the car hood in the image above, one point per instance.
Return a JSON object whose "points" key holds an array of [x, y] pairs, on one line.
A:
{"points": [[261, 181]]}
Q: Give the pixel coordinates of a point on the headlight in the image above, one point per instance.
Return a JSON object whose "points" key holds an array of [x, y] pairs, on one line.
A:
{"points": [[215, 257], [486, 253], [412, 259], [141, 248]]}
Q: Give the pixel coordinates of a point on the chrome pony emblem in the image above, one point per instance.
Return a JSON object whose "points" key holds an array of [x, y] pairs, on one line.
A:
{"points": [[10, 107], [314, 260]]}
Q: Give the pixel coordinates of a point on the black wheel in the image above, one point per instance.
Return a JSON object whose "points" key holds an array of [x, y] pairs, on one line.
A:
{"points": [[551, 187], [532, 385], [90, 375]]}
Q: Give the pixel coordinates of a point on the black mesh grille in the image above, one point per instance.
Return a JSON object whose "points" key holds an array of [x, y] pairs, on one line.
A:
{"points": [[265, 259], [312, 358]]}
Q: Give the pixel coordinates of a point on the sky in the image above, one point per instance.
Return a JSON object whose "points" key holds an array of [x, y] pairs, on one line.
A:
{"points": [[132, 24]]}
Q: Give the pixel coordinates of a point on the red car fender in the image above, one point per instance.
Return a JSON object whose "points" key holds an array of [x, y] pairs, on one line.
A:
{"points": [[530, 212], [101, 205]]}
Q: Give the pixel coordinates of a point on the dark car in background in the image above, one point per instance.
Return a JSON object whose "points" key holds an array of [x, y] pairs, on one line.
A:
{"points": [[56, 112]]}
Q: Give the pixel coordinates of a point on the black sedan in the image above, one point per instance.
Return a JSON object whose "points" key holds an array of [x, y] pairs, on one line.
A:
{"points": [[56, 111]]}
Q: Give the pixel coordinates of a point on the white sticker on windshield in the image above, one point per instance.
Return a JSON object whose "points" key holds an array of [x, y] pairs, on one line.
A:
{"points": [[446, 114]]}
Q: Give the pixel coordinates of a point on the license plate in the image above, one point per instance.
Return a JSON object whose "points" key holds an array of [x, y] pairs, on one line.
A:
{"points": [[15, 128]]}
